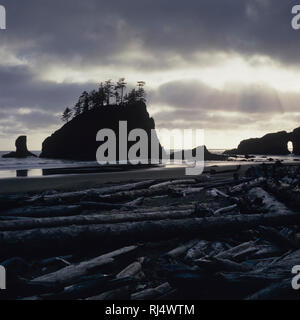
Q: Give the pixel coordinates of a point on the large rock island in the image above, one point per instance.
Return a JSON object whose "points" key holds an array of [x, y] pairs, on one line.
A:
{"points": [[76, 140]]}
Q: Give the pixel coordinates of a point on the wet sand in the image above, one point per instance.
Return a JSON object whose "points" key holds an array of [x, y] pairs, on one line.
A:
{"points": [[93, 180]]}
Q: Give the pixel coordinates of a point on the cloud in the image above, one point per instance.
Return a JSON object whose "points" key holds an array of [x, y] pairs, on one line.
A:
{"points": [[105, 32], [73, 41], [21, 88]]}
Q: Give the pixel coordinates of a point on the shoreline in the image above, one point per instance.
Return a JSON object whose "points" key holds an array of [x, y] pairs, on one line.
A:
{"points": [[75, 182]]}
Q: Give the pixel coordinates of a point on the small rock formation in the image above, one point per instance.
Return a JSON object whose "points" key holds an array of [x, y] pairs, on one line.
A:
{"points": [[295, 139], [76, 140], [269, 144], [208, 156], [21, 149]]}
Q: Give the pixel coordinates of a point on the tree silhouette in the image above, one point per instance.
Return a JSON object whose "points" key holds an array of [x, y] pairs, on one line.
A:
{"points": [[97, 98], [77, 109], [141, 94], [101, 95], [132, 96], [121, 85], [85, 101], [67, 114], [108, 85]]}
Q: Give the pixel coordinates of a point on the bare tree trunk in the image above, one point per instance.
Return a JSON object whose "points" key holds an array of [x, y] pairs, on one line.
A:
{"points": [[92, 219], [36, 241], [73, 272]]}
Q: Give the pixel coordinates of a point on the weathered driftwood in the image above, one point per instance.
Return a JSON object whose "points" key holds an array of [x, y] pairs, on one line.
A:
{"points": [[91, 285], [172, 182], [230, 253], [130, 271], [92, 205], [247, 185], [217, 247], [189, 191], [12, 201], [282, 266], [277, 238], [182, 249], [58, 262], [92, 219], [152, 293], [225, 209], [288, 194], [135, 202], [271, 273], [213, 265], [63, 211], [198, 250], [66, 238], [40, 212], [69, 197], [73, 272], [131, 195], [164, 208], [270, 204], [220, 183], [8, 218], [266, 251], [245, 254], [217, 193]]}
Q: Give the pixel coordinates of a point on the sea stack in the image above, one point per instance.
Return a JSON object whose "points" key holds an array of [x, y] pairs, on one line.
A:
{"points": [[21, 149], [270, 144], [76, 140]]}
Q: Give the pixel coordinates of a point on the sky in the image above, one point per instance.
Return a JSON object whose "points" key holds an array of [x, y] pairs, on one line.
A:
{"points": [[230, 67]]}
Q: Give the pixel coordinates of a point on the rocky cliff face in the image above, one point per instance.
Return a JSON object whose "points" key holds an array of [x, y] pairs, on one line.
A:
{"points": [[76, 140], [21, 149], [295, 138], [270, 144]]}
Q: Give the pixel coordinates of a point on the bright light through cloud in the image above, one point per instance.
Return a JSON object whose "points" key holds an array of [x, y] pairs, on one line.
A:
{"points": [[233, 69]]}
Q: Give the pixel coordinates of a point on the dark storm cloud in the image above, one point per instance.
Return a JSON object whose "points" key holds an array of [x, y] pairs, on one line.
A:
{"points": [[93, 31], [20, 88]]}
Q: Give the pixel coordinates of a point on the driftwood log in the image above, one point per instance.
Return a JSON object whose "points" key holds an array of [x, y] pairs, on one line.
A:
{"points": [[35, 241], [70, 273], [269, 203], [92, 219]]}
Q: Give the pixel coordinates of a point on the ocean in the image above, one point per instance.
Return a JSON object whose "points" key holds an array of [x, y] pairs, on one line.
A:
{"points": [[34, 167], [12, 167]]}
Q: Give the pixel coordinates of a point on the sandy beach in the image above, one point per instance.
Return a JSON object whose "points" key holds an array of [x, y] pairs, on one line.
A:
{"points": [[74, 182]]}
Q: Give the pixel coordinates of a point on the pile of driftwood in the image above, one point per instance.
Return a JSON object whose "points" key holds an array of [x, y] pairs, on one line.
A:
{"points": [[226, 237]]}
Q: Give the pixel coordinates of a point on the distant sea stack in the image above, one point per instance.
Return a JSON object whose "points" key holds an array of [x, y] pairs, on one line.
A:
{"points": [[76, 140], [208, 156], [21, 149], [270, 144]]}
